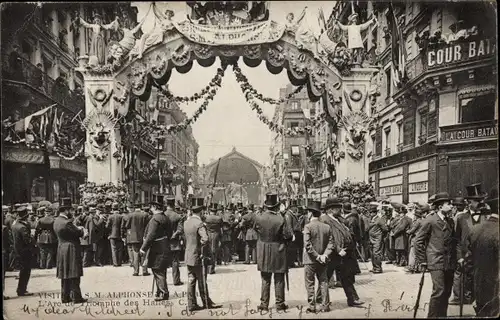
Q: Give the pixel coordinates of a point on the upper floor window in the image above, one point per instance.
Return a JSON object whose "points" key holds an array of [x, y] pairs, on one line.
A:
{"points": [[295, 105], [477, 108], [294, 125]]}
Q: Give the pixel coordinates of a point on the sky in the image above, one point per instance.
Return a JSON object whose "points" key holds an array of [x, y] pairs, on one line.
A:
{"points": [[228, 120]]}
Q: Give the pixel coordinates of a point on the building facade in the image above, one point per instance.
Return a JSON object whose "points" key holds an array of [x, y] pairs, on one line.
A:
{"points": [[437, 128], [40, 47], [288, 153]]}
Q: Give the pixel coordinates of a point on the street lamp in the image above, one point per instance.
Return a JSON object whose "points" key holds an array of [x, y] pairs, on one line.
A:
{"points": [[160, 140]]}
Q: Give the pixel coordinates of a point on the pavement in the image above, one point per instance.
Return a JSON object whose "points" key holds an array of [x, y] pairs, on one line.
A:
{"points": [[114, 294]]}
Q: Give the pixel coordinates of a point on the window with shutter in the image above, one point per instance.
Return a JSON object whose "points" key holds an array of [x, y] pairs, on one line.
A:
{"points": [[409, 127], [378, 142]]}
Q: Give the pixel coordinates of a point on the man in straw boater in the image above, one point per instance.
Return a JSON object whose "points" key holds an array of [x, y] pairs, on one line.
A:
{"points": [[213, 222], [197, 250], [156, 247], [69, 263], [23, 249], [483, 258], [318, 244], [175, 240], [271, 252], [436, 250]]}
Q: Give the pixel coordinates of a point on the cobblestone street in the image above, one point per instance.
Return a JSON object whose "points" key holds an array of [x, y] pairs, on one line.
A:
{"points": [[114, 293]]}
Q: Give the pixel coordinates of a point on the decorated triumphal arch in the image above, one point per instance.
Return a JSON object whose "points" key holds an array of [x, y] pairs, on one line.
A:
{"points": [[325, 66]]}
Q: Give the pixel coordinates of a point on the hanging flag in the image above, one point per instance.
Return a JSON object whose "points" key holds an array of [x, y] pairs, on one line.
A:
{"points": [[23, 124], [398, 69]]}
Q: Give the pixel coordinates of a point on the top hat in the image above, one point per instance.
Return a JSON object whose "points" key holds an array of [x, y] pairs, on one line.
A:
{"points": [[158, 198], [213, 207], [346, 207], [333, 202], [251, 207], [492, 200], [474, 192], [230, 206], [314, 206], [22, 212], [459, 201], [271, 200], [170, 200], [197, 204], [239, 206], [441, 197], [65, 203]]}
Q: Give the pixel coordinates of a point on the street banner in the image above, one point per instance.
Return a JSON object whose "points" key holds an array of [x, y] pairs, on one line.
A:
{"points": [[246, 34]]}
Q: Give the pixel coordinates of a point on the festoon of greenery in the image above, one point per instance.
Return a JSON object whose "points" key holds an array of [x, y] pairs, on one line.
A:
{"points": [[250, 93], [358, 193], [93, 194]]}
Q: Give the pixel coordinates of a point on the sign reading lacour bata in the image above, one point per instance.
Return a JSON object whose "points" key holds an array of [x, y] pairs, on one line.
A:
{"points": [[460, 52], [459, 133]]}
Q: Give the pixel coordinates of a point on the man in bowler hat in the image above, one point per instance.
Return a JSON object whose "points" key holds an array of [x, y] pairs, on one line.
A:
{"points": [[435, 249], [69, 264], [197, 249], [318, 244], [271, 252], [175, 240], [23, 249]]}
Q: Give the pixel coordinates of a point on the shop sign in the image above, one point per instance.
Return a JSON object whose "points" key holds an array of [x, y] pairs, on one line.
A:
{"points": [[468, 133], [418, 187], [460, 52], [386, 191]]}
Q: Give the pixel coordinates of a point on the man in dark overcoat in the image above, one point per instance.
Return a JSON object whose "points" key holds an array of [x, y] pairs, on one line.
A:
{"points": [[213, 223], [197, 250], [378, 229], [413, 266], [483, 258], [157, 242], [47, 239], [351, 220], [101, 242], [135, 227], [23, 249], [227, 235], [318, 244], [114, 224], [393, 218], [343, 258], [69, 264], [6, 248], [271, 252], [88, 242], [251, 236], [175, 240], [435, 248], [400, 236], [126, 235]]}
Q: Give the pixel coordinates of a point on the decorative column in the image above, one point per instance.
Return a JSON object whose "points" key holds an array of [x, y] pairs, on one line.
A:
{"points": [[103, 147], [353, 133]]}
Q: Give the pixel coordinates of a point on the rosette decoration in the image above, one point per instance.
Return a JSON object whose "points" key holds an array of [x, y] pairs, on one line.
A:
{"points": [[92, 193]]}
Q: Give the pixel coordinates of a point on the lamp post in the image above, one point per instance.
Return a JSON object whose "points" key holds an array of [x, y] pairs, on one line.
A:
{"points": [[159, 147]]}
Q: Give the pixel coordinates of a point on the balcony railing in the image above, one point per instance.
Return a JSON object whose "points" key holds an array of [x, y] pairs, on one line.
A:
{"points": [[416, 66], [387, 152], [25, 71]]}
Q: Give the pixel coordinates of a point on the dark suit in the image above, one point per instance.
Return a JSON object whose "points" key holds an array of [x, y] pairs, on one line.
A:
{"points": [[214, 228], [69, 264], [47, 241], [272, 255], [318, 240], [435, 244], [377, 231], [175, 243], [128, 251], [135, 227], [415, 226], [401, 240], [114, 224], [196, 247], [157, 241], [5, 251], [101, 242], [463, 227], [483, 258], [88, 222], [23, 248], [250, 237]]}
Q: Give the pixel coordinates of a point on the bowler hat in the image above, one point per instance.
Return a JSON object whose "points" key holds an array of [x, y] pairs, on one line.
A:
{"points": [[170, 200], [271, 200], [441, 197], [459, 201], [333, 202], [431, 199], [239, 206], [197, 204], [346, 207], [65, 203], [314, 206], [158, 198], [213, 207], [474, 192]]}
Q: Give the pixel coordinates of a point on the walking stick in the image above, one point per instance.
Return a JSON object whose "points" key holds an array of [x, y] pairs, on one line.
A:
{"points": [[462, 276], [421, 285], [362, 257]]}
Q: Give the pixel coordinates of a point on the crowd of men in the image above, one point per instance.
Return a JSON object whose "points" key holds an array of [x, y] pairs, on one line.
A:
{"points": [[456, 240]]}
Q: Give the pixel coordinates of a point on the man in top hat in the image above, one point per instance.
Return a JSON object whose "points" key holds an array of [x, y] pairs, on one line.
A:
{"points": [[197, 249], [435, 249], [114, 224], [319, 245], [23, 249], [271, 252], [343, 258], [135, 227], [47, 239], [475, 198], [101, 242], [69, 264], [377, 231], [416, 224], [251, 236], [483, 258], [463, 228], [213, 223], [292, 221], [176, 239], [157, 243]]}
